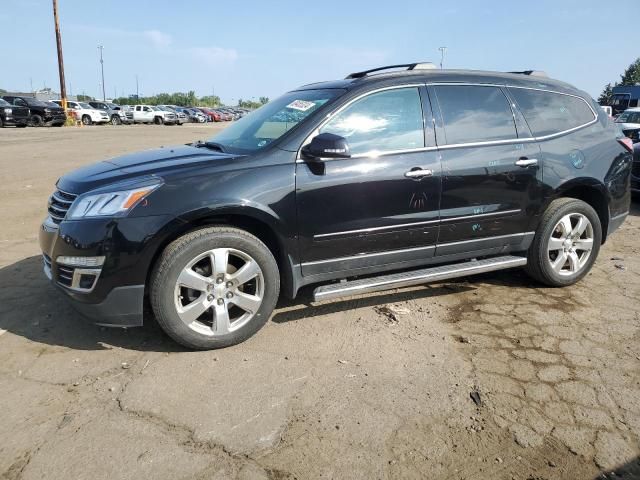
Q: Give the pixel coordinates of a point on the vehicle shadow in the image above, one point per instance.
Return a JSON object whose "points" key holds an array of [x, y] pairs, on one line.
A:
{"points": [[628, 471], [34, 309]]}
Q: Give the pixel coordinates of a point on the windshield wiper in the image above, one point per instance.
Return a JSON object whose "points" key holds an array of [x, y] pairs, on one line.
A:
{"points": [[213, 146]]}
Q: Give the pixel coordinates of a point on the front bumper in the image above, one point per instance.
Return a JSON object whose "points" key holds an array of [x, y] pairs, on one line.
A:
{"points": [[113, 293], [11, 120]]}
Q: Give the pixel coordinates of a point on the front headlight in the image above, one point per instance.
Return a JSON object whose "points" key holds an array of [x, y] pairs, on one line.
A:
{"points": [[109, 204], [8, 110]]}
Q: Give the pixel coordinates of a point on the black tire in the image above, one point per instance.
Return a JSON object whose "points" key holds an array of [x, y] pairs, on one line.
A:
{"points": [[158, 120], [86, 120], [538, 263], [22, 125], [1, 123], [115, 120], [36, 121], [179, 253]]}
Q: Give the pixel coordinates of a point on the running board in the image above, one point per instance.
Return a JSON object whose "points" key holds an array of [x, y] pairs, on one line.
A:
{"points": [[416, 277]]}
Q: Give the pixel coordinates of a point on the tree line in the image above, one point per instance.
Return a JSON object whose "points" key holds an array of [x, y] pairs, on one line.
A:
{"points": [[631, 76]]}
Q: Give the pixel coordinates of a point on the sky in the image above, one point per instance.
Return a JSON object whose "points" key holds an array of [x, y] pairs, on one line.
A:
{"points": [[252, 48]]}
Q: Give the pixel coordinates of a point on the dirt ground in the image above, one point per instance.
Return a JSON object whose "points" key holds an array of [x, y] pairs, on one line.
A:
{"points": [[336, 390]]}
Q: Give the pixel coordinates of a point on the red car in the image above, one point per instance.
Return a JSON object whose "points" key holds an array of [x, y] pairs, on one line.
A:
{"points": [[211, 114]]}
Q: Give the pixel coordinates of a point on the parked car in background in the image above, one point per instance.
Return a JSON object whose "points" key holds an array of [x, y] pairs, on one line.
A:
{"points": [[196, 115], [180, 117], [152, 114], [85, 112], [189, 114], [426, 173], [211, 115], [164, 115], [41, 113], [13, 115], [116, 115], [629, 120], [224, 115], [624, 97]]}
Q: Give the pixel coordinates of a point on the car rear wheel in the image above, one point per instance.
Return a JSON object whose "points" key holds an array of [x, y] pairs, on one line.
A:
{"points": [[1, 123], [86, 120], [214, 287], [566, 244], [36, 121]]}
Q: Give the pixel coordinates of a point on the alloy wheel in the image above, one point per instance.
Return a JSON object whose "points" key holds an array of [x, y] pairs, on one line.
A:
{"points": [[219, 291], [570, 244]]}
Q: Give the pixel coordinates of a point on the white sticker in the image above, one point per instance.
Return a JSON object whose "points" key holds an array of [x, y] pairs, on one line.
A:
{"points": [[301, 105]]}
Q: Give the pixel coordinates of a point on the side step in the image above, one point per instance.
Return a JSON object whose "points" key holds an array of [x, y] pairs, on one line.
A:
{"points": [[416, 277]]}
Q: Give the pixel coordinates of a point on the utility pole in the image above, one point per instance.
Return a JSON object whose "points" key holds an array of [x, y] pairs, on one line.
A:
{"points": [[443, 50], [104, 95], [137, 89], [63, 90]]}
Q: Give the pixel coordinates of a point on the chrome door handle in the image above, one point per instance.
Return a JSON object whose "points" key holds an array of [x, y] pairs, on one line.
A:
{"points": [[419, 173], [527, 162]]}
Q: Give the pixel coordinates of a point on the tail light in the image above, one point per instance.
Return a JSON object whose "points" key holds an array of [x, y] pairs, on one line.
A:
{"points": [[627, 143]]}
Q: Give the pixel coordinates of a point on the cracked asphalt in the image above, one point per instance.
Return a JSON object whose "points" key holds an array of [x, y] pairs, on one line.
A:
{"points": [[332, 390]]}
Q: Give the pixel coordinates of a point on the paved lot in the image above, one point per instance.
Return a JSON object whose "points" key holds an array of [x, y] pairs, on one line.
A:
{"points": [[337, 390]]}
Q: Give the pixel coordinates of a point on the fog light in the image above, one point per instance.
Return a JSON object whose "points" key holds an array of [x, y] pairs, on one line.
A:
{"points": [[80, 261], [86, 281]]}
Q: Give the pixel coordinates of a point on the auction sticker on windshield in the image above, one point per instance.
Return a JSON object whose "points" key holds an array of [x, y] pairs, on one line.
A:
{"points": [[301, 105]]}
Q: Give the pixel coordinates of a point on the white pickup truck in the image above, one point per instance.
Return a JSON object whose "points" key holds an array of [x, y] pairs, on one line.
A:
{"points": [[152, 114]]}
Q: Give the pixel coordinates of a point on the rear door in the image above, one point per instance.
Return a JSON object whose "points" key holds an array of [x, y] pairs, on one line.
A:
{"points": [[491, 170], [381, 206]]}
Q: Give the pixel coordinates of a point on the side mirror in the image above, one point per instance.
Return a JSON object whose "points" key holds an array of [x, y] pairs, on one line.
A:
{"points": [[326, 145]]}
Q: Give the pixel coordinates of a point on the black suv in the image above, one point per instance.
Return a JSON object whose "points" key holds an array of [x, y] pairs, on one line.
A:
{"points": [[381, 180], [13, 115], [42, 113]]}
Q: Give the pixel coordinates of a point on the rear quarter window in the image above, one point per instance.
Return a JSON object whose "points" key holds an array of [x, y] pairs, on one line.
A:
{"points": [[549, 113]]}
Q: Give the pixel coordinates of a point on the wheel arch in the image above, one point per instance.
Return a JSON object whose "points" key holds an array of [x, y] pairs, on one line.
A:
{"points": [[592, 193], [252, 220]]}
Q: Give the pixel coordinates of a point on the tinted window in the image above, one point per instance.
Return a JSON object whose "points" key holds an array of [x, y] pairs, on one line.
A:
{"points": [[4, 103], [384, 121], [548, 113], [475, 114]]}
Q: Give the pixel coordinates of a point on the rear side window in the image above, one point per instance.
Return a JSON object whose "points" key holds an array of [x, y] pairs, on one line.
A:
{"points": [[382, 122], [475, 113], [548, 113]]}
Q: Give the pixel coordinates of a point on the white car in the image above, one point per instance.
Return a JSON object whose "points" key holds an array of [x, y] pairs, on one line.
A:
{"points": [[85, 112], [629, 119]]}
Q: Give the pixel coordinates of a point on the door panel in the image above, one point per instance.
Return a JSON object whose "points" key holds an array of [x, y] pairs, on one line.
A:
{"points": [[360, 206], [484, 192], [365, 211], [491, 169]]}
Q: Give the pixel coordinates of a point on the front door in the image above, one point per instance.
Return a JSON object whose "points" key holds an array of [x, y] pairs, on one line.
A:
{"points": [[491, 171], [381, 206]]}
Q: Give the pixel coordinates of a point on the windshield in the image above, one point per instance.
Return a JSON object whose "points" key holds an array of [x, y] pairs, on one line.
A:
{"points": [[273, 120], [620, 99], [629, 117], [4, 103], [36, 103], [85, 105]]}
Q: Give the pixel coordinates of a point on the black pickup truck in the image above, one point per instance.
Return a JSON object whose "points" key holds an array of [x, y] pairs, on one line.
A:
{"points": [[42, 113], [13, 115]]}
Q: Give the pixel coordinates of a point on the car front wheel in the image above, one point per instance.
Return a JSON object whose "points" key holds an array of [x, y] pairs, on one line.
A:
{"points": [[214, 287], [566, 244]]}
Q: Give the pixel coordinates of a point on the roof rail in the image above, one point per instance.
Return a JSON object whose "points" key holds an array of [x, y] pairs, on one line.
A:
{"points": [[532, 73], [409, 66]]}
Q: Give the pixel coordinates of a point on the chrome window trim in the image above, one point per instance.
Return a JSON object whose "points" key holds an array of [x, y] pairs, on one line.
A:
{"points": [[427, 222], [375, 154], [392, 252], [330, 115], [563, 132]]}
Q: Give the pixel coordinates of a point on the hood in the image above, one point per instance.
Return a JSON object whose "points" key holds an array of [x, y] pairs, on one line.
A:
{"points": [[160, 161]]}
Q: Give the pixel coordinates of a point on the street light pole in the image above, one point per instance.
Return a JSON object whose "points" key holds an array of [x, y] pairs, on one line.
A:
{"points": [[104, 96], [63, 89], [443, 50]]}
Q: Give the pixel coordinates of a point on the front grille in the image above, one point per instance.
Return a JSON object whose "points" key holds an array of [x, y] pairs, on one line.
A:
{"points": [[59, 204]]}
